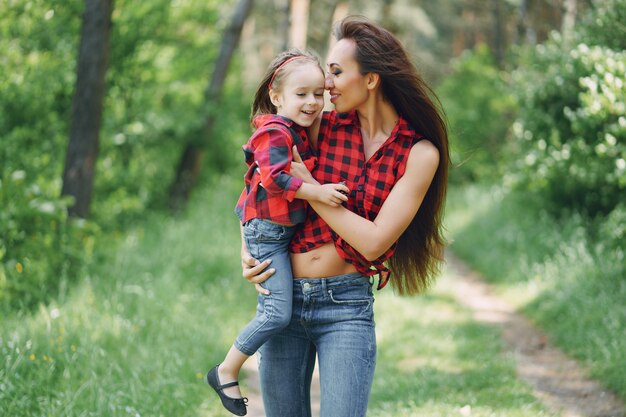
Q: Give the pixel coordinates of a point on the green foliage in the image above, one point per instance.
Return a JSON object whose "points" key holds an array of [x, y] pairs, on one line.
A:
{"points": [[39, 249], [564, 271], [605, 25], [161, 58], [161, 61], [612, 230], [572, 128], [480, 108]]}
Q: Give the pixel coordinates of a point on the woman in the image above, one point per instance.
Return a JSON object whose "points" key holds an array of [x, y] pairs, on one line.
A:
{"points": [[388, 142]]}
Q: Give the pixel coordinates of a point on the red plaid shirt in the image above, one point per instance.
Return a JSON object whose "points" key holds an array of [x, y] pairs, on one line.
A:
{"points": [[341, 158], [269, 191]]}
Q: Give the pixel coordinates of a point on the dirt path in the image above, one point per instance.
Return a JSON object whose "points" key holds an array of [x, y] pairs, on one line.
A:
{"points": [[558, 381]]}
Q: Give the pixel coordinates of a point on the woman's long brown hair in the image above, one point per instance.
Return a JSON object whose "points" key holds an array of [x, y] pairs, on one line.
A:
{"points": [[419, 253]]}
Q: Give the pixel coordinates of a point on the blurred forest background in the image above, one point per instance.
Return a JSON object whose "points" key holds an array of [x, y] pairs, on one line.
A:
{"points": [[112, 111]]}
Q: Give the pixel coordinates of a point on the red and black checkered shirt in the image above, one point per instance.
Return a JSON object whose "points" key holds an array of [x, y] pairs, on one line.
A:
{"points": [[342, 158], [270, 190]]}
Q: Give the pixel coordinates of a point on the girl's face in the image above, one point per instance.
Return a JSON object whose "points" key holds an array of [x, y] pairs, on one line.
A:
{"points": [[301, 94], [347, 86]]}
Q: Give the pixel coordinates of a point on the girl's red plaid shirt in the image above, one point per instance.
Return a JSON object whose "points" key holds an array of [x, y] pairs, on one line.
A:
{"points": [[269, 191]]}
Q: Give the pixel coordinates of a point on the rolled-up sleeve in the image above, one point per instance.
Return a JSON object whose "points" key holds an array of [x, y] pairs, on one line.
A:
{"points": [[273, 156]]}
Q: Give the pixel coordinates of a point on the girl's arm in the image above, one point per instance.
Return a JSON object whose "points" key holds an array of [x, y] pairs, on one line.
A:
{"points": [[330, 194], [273, 156], [373, 238]]}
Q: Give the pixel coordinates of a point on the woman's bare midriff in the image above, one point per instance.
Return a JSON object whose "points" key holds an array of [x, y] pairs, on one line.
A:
{"points": [[321, 262]]}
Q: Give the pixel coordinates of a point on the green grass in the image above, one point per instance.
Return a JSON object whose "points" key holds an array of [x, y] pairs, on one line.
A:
{"points": [[162, 303], [570, 286], [136, 336]]}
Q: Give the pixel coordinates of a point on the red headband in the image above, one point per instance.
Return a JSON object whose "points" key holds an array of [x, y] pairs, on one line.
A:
{"points": [[293, 58]]}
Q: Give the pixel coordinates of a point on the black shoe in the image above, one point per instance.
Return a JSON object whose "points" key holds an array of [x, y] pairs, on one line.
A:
{"points": [[234, 405]]}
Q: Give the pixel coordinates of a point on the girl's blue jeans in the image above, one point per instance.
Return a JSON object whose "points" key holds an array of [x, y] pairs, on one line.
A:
{"points": [[268, 240], [333, 319]]}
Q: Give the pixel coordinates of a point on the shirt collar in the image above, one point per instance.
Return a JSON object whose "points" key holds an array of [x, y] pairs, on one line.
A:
{"points": [[265, 119]]}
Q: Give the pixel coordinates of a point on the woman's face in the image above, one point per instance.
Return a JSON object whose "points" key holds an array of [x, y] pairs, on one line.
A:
{"points": [[347, 86]]}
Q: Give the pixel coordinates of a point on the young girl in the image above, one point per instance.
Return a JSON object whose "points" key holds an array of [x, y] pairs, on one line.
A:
{"points": [[289, 99]]}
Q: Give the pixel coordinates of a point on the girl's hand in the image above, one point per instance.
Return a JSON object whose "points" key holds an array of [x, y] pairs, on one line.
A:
{"points": [[299, 170], [255, 271], [333, 194]]}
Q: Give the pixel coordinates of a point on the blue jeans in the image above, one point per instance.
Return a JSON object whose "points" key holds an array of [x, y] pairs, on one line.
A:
{"points": [[333, 319], [268, 240]]}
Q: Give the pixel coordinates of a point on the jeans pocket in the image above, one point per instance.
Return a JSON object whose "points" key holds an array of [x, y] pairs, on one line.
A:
{"points": [[342, 300], [265, 239], [353, 301]]}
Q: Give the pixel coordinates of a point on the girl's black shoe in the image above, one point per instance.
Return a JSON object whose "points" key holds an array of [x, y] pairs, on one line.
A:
{"points": [[236, 406]]}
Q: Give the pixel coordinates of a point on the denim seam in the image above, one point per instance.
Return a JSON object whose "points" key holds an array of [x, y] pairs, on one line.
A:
{"points": [[303, 377], [268, 317]]}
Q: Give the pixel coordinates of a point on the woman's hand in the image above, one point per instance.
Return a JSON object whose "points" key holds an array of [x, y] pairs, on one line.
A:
{"points": [[299, 170], [255, 271]]}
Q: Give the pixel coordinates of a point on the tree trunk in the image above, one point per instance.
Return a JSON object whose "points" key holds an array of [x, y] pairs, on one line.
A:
{"points": [[387, 19], [299, 24], [522, 22], [191, 159], [341, 11], [82, 150], [498, 42], [569, 20], [284, 17]]}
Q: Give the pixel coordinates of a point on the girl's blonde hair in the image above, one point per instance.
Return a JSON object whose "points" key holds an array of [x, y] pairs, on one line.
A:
{"points": [[274, 77]]}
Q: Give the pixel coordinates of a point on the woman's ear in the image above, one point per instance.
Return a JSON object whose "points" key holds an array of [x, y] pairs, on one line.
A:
{"points": [[372, 80], [275, 98]]}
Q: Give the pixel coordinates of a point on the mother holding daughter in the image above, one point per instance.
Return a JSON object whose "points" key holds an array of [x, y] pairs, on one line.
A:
{"points": [[387, 141]]}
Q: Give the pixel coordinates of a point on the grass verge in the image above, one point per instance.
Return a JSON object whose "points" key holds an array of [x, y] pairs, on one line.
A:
{"points": [[137, 334], [434, 360], [570, 285]]}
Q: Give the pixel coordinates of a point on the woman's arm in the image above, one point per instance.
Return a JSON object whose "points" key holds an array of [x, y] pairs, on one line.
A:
{"points": [[373, 238]]}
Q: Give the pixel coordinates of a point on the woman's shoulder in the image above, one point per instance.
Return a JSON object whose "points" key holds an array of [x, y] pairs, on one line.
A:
{"points": [[423, 152]]}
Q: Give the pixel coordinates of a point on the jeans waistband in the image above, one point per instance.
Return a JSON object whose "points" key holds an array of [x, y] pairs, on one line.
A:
{"points": [[310, 285]]}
